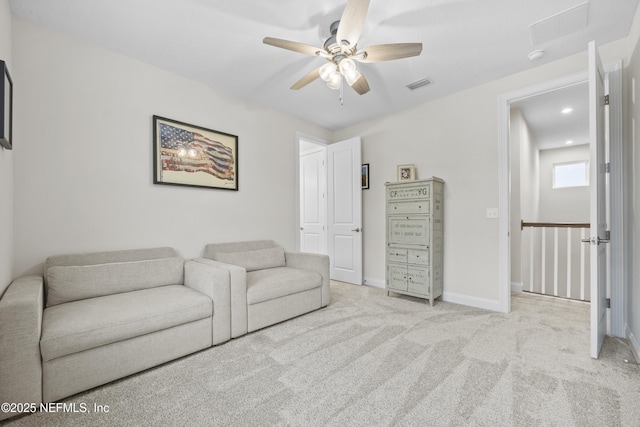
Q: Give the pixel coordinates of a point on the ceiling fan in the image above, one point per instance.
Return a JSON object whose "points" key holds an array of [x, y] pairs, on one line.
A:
{"points": [[340, 49]]}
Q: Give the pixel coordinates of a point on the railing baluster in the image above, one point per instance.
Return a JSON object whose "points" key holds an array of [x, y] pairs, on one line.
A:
{"points": [[568, 263], [544, 266], [555, 261], [531, 261], [582, 264]]}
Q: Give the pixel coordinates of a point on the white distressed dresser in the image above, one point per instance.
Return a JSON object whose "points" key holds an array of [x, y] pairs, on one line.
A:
{"points": [[415, 237]]}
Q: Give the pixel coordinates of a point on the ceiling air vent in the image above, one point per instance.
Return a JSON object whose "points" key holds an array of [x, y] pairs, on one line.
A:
{"points": [[569, 21], [420, 83]]}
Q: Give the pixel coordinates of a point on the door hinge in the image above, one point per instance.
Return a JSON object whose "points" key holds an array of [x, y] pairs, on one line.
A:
{"points": [[608, 302], [607, 168], [606, 100]]}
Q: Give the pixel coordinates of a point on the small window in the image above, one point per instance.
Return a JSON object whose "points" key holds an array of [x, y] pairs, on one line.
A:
{"points": [[574, 174]]}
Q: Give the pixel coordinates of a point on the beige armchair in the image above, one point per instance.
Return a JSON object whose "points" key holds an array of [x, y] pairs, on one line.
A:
{"points": [[267, 284]]}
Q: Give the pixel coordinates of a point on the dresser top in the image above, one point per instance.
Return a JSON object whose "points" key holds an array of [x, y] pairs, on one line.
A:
{"points": [[417, 181]]}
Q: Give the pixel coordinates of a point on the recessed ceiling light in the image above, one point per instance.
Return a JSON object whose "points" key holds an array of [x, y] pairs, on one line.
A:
{"points": [[567, 110], [569, 142]]}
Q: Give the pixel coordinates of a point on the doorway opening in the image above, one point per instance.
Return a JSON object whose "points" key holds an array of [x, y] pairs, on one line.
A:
{"points": [[550, 194]]}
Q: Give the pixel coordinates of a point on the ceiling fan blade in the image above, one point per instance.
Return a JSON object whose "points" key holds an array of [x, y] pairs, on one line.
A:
{"points": [[306, 79], [294, 46], [361, 85], [352, 21], [389, 52]]}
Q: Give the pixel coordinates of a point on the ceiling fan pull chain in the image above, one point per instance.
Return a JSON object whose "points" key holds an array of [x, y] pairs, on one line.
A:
{"points": [[341, 92]]}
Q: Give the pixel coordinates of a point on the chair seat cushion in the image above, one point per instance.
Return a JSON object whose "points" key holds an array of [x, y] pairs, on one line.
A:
{"points": [[272, 283], [80, 325]]}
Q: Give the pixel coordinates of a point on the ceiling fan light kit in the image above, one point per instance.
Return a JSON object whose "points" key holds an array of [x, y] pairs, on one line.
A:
{"points": [[341, 49]]}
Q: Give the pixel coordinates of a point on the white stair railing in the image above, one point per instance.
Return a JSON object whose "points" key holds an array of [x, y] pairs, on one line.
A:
{"points": [[554, 259]]}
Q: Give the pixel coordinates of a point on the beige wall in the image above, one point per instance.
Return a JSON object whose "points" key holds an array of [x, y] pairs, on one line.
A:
{"points": [[525, 185], [83, 159], [455, 138], [562, 204], [6, 166]]}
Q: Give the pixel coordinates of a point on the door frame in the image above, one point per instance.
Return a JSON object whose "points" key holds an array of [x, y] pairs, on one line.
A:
{"points": [[618, 180]]}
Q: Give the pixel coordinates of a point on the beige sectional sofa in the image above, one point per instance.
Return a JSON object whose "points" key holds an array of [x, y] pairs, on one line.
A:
{"points": [[268, 285], [94, 318]]}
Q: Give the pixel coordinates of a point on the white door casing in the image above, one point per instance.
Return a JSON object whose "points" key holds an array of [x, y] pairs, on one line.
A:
{"points": [[345, 210], [599, 194], [313, 201]]}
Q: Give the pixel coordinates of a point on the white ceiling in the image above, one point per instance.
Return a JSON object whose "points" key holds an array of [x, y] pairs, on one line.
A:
{"points": [[219, 42], [550, 127]]}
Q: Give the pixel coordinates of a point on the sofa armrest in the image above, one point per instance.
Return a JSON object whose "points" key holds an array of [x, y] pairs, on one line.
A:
{"points": [[236, 277], [21, 310], [213, 283], [313, 262]]}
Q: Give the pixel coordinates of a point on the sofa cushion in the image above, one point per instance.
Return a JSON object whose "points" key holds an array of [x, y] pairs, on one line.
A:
{"points": [[76, 282], [80, 325], [248, 245], [268, 284], [257, 259]]}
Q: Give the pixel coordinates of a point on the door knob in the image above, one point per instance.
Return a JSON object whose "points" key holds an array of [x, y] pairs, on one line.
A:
{"points": [[589, 240], [357, 230], [301, 228]]}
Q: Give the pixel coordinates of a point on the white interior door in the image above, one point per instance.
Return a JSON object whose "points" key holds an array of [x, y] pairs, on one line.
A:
{"points": [[313, 201], [599, 195], [345, 210]]}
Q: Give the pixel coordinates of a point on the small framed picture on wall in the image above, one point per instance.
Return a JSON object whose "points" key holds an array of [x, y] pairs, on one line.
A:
{"points": [[6, 107], [365, 176], [406, 173]]}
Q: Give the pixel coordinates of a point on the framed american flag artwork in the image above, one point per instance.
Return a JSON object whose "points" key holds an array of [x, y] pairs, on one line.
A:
{"points": [[193, 156]]}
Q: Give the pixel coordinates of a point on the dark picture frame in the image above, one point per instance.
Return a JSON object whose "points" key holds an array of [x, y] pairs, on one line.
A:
{"points": [[6, 108], [365, 176], [193, 156]]}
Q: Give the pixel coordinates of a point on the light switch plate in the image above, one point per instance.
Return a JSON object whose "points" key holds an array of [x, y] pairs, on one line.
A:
{"points": [[492, 212]]}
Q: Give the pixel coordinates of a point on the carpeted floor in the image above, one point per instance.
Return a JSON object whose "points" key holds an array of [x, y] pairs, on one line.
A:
{"points": [[369, 360]]}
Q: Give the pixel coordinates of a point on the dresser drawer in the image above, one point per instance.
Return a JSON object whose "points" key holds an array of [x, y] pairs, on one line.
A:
{"points": [[396, 255], [418, 256], [409, 207], [408, 230]]}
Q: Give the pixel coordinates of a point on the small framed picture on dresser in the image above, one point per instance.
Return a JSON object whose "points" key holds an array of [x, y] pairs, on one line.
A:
{"points": [[406, 173]]}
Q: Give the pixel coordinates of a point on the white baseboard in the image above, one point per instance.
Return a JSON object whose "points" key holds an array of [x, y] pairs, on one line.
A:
{"points": [[487, 304], [635, 346], [517, 287], [376, 283]]}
